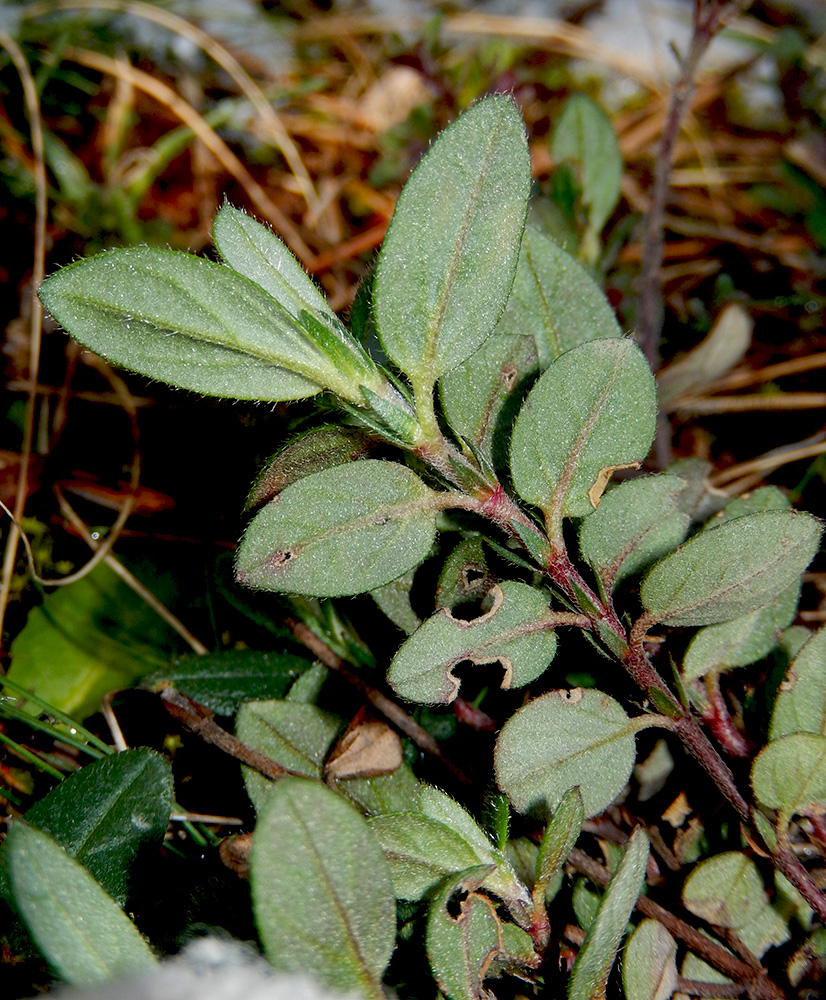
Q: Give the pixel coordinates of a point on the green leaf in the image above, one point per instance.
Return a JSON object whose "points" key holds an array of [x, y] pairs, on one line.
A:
{"points": [[88, 639], [790, 774], [294, 735], [386, 793], [318, 449], [562, 739], [801, 700], [82, 932], [464, 576], [515, 631], [596, 957], [448, 261], [559, 839], [224, 679], [635, 523], [420, 852], [255, 252], [727, 891], [394, 600], [743, 640], [462, 948], [106, 812], [736, 568], [599, 399], [756, 502], [649, 965], [342, 531], [199, 325], [583, 136], [321, 889]]}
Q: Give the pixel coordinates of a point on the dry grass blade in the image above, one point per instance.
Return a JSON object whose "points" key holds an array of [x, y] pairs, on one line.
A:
{"points": [[765, 463]]}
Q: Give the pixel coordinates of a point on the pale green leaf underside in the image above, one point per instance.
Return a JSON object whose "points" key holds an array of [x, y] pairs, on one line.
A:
{"points": [[801, 701], [597, 955], [562, 739], [741, 641], [322, 894], [447, 263], [736, 568], [790, 774], [341, 531], [82, 932], [636, 522], [515, 632], [649, 965], [186, 321], [592, 410]]}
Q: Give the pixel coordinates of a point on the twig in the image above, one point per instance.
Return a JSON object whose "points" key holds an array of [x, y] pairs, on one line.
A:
{"points": [[388, 708], [200, 720], [709, 18]]}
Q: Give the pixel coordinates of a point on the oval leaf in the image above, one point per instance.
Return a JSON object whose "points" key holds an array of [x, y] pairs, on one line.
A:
{"points": [[599, 400], [790, 774], [596, 957], [83, 933], [447, 264], [322, 894], [562, 739], [649, 964], [175, 317], [341, 531], [106, 812], [801, 701], [636, 522], [731, 570], [515, 632]]}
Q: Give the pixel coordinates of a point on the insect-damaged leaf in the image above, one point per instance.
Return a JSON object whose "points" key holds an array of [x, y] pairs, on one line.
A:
{"points": [[801, 701], [198, 325], [649, 965], [596, 957], [447, 264], [515, 631], [85, 936], [636, 522], [731, 570], [599, 399], [790, 774], [341, 531], [322, 894], [562, 739]]}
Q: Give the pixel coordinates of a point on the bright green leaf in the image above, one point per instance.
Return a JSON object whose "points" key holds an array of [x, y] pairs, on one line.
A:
{"points": [[514, 631], [345, 530], [223, 679], [321, 889], [649, 965], [562, 739], [198, 325], [449, 258], [790, 774], [736, 568], [636, 522], [599, 399], [743, 640], [71, 654], [596, 957], [82, 932], [801, 701]]}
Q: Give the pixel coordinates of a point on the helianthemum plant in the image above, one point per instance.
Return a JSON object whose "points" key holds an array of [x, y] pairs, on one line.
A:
{"points": [[512, 398]]}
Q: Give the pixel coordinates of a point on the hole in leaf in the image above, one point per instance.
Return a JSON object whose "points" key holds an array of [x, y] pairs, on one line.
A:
{"points": [[454, 904], [280, 558]]}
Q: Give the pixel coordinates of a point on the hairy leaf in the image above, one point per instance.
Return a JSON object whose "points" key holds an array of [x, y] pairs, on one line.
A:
{"points": [[448, 261], [596, 957], [731, 570], [599, 400], [341, 531], [649, 966], [559, 839], [560, 740], [801, 701], [790, 774], [636, 522], [515, 632], [82, 932], [321, 889]]}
